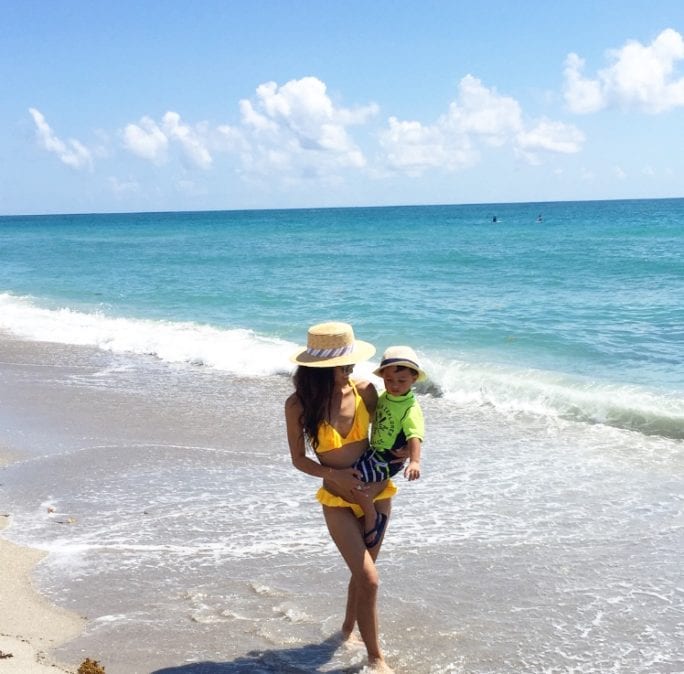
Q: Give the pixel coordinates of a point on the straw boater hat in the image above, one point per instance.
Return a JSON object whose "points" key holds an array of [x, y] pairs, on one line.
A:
{"points": [[330, 345], [400, 355]]}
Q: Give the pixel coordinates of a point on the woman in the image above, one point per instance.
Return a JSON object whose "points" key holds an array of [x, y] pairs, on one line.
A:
{"points": [[332, 413]]}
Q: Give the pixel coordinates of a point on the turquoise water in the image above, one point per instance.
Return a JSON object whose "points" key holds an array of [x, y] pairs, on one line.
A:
{"points": [[545, 533], [579, 314]]}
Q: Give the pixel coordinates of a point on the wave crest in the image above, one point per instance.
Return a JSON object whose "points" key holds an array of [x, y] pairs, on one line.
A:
{"points": [[554, 394], [244, 353], [238, 351]]}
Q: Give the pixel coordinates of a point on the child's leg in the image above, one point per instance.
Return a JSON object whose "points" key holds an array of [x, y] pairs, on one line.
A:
{"points": [[365, 499], [374, 473]]}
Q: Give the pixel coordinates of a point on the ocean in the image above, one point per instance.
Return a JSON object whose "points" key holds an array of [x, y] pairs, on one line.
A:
{"points": [[145, 367]]}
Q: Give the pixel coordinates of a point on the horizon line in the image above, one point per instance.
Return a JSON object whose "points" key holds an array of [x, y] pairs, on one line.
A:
{"points": [[331, 208]]}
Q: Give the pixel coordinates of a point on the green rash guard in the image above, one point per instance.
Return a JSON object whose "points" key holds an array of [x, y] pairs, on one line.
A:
{"points": [[397, 419]]}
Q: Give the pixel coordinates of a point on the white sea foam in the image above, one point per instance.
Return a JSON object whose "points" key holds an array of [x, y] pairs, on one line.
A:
{"points": [[245, 353], [560, 395], [238, 351]]}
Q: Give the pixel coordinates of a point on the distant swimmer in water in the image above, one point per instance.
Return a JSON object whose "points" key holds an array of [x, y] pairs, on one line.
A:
{"points": [[494, 219], [539, 218]]}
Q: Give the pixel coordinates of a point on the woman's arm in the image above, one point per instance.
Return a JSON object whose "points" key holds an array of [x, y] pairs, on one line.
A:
{"points": [[346, 479], [295, 439]]}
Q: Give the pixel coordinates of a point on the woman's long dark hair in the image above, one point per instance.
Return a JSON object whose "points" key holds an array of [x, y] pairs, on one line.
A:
{"points": [[314, 388]]}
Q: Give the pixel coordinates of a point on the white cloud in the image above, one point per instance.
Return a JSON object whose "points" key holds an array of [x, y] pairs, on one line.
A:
{"points": [[293, 129], [255, 120], [478, 115], [190, 140], [639, 77], [581, 95], [146, 140], [551, 136], [483, 112], [72, 152], [152, 141], [411, 147], [297, 127], [228, 139]]}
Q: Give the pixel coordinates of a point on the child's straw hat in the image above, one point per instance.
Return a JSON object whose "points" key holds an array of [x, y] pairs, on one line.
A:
{"points": [[401, 355]]}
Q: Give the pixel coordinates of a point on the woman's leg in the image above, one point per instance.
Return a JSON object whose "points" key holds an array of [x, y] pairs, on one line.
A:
{"points": [[350, 611], [384, 506], [346, 531]]}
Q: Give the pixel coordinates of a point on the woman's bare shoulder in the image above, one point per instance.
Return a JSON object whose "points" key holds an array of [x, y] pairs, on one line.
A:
{"points": [[292, 403]]}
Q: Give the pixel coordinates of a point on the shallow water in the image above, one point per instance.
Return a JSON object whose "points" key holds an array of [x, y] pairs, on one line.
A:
{"points": [[529, 544]]}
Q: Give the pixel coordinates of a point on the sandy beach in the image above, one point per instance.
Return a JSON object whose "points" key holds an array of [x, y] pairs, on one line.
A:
{"points": [[30, 627], [59, 405]]}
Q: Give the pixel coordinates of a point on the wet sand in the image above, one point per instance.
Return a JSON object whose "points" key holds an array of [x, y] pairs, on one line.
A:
{"points": [[62, 400], [195, 546], [40, 416], [30, 627]]}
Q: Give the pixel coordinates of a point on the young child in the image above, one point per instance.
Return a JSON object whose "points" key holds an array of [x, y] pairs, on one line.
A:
{"points": [[398, 421]]}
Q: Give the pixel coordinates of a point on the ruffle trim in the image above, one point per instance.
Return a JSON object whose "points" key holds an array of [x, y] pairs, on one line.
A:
{"points": [[327, 498]]}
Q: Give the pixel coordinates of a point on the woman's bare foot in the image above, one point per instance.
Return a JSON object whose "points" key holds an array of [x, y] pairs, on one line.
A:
{"points": [[349, 637], [379, 666]]}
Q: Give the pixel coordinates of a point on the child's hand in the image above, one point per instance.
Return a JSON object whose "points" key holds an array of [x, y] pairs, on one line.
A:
{"points": [[412, 471]]}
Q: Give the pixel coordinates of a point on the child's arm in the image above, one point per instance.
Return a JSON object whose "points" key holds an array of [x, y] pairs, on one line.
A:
{"points": [[413, 426], [412, 471]]}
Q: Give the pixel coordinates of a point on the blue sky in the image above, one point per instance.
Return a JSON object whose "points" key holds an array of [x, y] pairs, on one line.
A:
{"points": [[150, 105]]}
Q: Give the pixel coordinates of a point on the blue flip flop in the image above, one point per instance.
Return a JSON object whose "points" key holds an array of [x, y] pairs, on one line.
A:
{"points": [[376, 531]]}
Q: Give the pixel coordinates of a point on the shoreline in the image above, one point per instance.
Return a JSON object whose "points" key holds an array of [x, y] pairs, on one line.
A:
{"points": [[30, 626], [196, 545], [70, 406]]}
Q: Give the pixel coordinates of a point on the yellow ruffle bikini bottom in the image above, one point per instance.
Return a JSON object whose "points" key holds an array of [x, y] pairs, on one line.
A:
{"points": [[327, 498]]}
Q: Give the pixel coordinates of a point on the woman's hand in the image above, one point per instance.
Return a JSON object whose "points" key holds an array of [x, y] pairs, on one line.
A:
{"points": [[347, 480]]}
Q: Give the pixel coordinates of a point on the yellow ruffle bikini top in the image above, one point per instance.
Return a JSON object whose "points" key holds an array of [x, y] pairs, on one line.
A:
{"points": [[328, 436]]}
